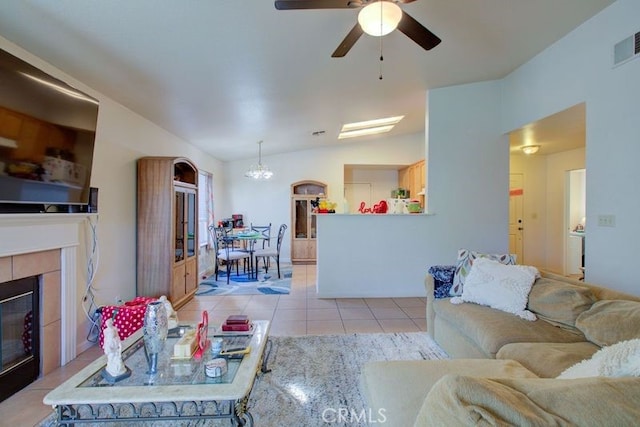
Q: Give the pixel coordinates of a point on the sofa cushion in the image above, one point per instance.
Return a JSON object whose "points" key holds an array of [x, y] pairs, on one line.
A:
{"points": [[465, 261], [491, 329], [559, 303], [610, 321], [618, 360], [503, 287], [395, 390], [458, 400], [547, 360]]}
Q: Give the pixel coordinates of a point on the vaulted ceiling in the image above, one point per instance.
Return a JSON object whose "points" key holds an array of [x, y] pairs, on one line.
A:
{"points": [[225, 74]]}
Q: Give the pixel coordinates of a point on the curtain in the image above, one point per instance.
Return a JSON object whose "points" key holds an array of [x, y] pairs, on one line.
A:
{"points": [[205, 207]]}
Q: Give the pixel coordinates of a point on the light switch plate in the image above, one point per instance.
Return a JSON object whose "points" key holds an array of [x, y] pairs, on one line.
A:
{"points": [[606, 220]]}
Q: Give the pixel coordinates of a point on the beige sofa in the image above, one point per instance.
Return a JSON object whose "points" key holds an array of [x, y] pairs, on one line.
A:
{"points": [[547, 346], [505, 367]]}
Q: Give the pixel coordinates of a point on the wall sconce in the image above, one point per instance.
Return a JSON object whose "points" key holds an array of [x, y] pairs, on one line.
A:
{"points": [[530, 149]]}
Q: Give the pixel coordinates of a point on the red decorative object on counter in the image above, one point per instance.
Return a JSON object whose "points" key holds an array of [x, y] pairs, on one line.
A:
{"points": [[379, 208]]}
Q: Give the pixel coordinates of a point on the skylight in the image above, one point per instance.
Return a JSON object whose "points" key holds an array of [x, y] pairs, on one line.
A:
{"points": [[369, 127]]}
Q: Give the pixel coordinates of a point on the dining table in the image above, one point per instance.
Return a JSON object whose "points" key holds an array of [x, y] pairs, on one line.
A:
{"points": [[247, 239]]}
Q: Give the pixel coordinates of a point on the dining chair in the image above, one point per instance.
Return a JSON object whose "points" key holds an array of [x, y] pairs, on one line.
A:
{"points": [[224, 251], [265, 231], [270, 252]]}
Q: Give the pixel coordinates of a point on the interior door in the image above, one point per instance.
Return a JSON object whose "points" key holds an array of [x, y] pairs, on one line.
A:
{"points": [[516, 221]]}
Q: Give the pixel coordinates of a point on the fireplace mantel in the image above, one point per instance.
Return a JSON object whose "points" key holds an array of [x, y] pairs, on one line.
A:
{"points": [[25, 233], [29, 233]]}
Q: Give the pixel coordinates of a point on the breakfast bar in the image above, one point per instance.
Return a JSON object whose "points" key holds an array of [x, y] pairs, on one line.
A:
{"points": [[371, 255]]}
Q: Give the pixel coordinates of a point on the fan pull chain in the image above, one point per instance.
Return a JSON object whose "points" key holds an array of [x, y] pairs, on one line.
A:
{"points": [[381, 59]]}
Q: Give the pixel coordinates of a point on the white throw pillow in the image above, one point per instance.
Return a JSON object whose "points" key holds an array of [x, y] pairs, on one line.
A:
{"points": [[503, 287], [465, 262], [617, 360]]}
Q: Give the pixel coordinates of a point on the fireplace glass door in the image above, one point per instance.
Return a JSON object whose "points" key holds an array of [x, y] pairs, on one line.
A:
{"points": [[19, 325]]}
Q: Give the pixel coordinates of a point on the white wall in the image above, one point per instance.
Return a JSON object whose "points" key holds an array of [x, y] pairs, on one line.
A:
{"points": [[122, 136], [270, 201], [468, 170], [576, 69]]}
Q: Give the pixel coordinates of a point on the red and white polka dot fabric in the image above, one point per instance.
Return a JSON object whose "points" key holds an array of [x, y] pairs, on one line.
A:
{"points": [[128, 319], [26, 334]]}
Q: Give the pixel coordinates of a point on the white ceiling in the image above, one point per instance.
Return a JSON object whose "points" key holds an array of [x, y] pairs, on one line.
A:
{"points": [[562, 131], [223, 74]]}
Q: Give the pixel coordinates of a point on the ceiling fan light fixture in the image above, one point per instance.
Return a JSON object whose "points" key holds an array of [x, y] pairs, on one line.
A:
{"points": [[530, 149], [260, 172], [380, 18]]}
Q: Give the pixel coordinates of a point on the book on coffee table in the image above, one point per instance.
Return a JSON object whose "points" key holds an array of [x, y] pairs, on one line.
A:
{"points": [[237, 327], [237, 323], [237, 319]]}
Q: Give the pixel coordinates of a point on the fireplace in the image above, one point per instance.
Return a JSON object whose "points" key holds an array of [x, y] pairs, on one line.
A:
{"points": [[19, 334], [47, 246]]}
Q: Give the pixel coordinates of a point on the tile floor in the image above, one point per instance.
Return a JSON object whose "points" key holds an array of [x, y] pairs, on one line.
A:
{"points": [[299, 313]]}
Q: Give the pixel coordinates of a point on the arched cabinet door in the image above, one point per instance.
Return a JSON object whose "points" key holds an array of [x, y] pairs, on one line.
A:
{"points": [[303, 220]]}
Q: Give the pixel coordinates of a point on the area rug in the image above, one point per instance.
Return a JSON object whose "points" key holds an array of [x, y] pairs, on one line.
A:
{"points": [[266, 283], [313, 373]]}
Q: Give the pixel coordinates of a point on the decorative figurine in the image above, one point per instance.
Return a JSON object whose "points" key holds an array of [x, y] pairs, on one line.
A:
{"points": [[115, 369]]}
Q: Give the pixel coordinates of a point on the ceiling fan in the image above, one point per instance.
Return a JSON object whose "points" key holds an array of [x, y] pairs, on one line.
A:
{"points": [[408, 25]]}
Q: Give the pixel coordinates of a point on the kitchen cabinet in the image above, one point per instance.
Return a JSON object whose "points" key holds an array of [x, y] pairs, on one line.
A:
{"points": [[167, 228], [413, 178], [10, 124], [303, 220]]}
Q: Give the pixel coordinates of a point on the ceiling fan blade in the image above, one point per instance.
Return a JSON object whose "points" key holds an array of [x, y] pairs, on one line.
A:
{"points": [[417, 32], [315, 4], [348, 42]]}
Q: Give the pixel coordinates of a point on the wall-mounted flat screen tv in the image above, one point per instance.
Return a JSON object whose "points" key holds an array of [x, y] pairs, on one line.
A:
{"points": [[47, 135]]}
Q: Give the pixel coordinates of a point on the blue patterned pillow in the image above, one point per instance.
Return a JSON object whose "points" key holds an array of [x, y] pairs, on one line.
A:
{"points": [[465, 261], [443, 279]]}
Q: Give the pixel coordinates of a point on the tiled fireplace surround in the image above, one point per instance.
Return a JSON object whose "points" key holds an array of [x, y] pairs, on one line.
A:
{"points": [[46, 245], [47, 265]]}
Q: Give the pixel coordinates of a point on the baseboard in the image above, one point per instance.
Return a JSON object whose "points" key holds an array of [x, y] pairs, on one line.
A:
{"points": [[84, 346]]}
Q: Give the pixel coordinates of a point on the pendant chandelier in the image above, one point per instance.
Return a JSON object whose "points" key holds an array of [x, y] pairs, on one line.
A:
{"points": [[260, 172]]}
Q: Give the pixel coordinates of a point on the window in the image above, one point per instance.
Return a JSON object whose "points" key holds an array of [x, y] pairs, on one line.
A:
{"points": [[205, 206]]}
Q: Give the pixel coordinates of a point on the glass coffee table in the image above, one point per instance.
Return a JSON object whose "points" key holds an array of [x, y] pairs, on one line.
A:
{"points": [[180, 390]]}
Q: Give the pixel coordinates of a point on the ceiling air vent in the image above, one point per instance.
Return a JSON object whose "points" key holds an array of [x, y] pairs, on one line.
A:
{"points": [[626, 50]]}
